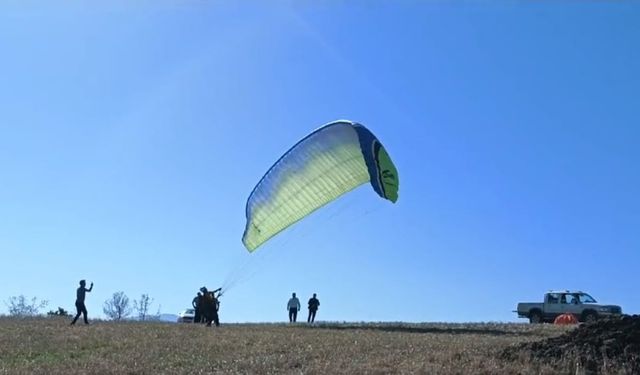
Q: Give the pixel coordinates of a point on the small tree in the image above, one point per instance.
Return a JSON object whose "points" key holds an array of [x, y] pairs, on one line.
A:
{"points": [[22, 307], [117, 307], [142, 306], [156, 316], [59, 312]]}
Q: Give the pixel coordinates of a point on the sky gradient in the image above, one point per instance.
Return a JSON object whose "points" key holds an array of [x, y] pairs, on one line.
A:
{"points": [[132, 135]]}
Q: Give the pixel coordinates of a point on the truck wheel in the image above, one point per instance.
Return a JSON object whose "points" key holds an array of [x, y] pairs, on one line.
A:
{"points": [[535, 317], [589, 316]]}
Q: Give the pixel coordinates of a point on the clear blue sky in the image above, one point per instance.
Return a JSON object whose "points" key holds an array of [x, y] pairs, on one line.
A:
{"points": [[131, 136]]}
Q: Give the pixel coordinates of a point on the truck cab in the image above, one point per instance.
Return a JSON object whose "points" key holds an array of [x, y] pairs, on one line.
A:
{"points": [[584, 307]]}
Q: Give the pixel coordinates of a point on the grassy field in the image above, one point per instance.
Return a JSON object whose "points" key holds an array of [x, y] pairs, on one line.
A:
{"points": [[51, 346]]}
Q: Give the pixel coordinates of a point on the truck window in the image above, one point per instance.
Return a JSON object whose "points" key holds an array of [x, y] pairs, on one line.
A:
{"points": [[553, 298], [585, 298]]}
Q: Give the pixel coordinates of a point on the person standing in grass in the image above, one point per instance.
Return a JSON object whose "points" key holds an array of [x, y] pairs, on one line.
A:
{"points": [[80, 307], [215, 307], [197, 308], [293, 306], [314, 303], [210, 305]]}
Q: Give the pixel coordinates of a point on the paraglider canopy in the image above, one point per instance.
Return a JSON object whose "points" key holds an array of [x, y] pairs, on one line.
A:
{"points": [[322, 166], [565, 319]]}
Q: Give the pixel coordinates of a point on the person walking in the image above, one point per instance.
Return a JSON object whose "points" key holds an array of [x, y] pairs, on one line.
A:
{"points": [[314, 303], [80, 307], [293, 306]]}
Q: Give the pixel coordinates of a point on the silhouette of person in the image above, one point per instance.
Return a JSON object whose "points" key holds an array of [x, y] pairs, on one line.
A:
{"points": [[293, 306], [314, 303], [576, 299], [197, 307], [80, 307], [216, 306], [210, 305], [205, 304]]}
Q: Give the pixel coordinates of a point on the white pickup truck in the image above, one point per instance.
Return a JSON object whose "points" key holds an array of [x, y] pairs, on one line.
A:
{"points": [[583, 306]]}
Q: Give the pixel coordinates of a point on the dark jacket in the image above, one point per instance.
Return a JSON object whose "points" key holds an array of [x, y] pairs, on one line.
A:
{"points": [[313, 304]]}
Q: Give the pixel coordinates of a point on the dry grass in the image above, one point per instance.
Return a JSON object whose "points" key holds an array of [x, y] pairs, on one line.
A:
{"points": [[51, 346]]}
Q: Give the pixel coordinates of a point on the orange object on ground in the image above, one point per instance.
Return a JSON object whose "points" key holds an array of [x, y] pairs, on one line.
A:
{"points": [[566, 318]]}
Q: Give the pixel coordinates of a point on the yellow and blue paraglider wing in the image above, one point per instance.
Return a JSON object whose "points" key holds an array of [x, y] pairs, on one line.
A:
{"points": [[327, 163]]}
